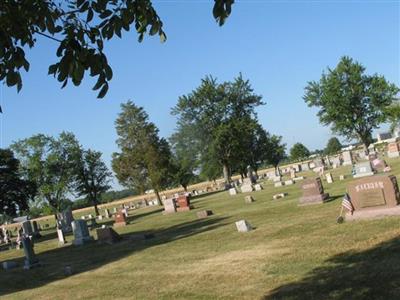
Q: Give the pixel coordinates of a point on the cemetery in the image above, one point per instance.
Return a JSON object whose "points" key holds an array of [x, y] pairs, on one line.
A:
{"points": [[285, 247], [204, 149]]}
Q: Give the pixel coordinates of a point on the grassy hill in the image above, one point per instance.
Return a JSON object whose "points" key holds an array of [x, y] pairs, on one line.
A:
{"points": [[294, 253]]}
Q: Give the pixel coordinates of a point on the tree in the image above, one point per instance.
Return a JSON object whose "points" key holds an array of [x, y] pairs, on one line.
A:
{"points": [[15, 191], [351, 102], [144, 159], [299, 152], [80, 28], [92, 176], [333, 146], [49, 163], [276, 152], [211, 116], [392, 113], [185, 158]]}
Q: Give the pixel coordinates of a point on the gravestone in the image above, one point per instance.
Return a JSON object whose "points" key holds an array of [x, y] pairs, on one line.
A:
{"points": [[393, 150], [247, 186], [347, 158], [374, 197], [289, 182], [125, 212], [61, 237], [278, 196], [248, 199], [329, 178], [65, 219], [313, 192], [298, 178], [277, 178], [362, 169], [81, 233], [27, 228], [169, 206], [107, 235], [305, 167], [8, 265], [292, 173], [115, 210], [107, 213], [378, 165], [258, 187], [232, 191], [120, 219], [243, 226], [341, 177], [183, 203], [35, 229], [31, 260], [278, 184], [204, 214]]}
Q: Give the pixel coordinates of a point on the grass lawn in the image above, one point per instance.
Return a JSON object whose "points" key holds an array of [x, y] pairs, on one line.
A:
{"points": [[294, 253]]}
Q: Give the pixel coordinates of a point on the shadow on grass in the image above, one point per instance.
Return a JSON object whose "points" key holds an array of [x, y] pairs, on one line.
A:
{"points": [[197, 197], [93, 255], [370, 274], [333, 198]]}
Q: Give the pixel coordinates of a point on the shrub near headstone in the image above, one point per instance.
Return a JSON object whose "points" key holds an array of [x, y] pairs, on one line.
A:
{"points": [[374, 196]]}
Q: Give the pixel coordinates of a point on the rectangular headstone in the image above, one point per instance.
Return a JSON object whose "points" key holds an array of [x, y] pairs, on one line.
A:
{"points": [[81, 233], [107, 235], [243, 226], [169, 206], [248, 199], [313, 192], [363, 169], [232, 191], [203, 214]]}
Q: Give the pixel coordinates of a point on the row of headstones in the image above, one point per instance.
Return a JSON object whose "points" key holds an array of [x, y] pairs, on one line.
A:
{"points": [[369, 195], [179, 204]]}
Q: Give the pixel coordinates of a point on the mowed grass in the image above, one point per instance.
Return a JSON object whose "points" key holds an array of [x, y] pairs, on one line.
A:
{"points": [[294, 253]]}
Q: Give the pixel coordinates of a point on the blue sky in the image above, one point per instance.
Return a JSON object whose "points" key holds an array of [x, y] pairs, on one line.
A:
{"points": [[277, 45]]}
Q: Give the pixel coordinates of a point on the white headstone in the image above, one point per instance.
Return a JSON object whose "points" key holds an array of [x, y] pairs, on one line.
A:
{"points": [[243, 226], [329, 178], [232, 191], [258, 187], [169, 206]]}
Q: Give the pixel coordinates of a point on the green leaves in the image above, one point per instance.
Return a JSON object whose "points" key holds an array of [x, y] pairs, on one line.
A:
{"points": [[349, 101], [80, 27]]}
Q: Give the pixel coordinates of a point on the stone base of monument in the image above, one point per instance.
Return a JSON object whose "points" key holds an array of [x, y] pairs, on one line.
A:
{"points": [[363, 174], [79, 242], [246, 188], [181, 209], [317, 199], [107, 235], [393, 154], [204, 214], [30, 265], [119, 224], [373, 213]]}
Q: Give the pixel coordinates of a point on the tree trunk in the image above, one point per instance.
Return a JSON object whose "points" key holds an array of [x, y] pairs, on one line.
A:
{"points": [[184, 187], [277, 171], [96, 209], [225, 169], [366, 149], [158, 196]]}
